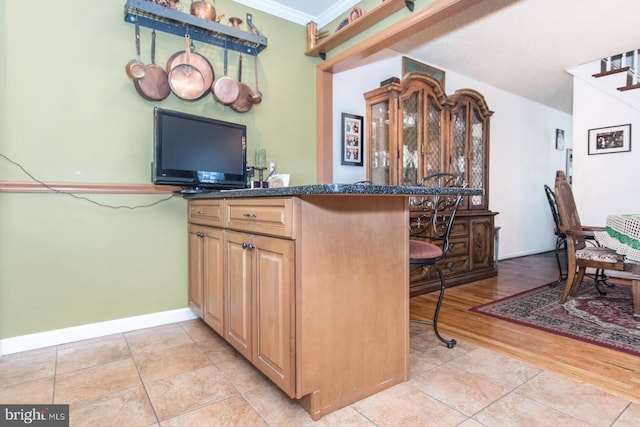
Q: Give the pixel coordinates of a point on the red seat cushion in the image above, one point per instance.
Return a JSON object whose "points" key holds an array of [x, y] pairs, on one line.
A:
{"points": [[423, 250]]}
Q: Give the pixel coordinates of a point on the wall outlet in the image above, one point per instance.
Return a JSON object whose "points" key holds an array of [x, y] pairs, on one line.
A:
{"points": [[272, 165]]}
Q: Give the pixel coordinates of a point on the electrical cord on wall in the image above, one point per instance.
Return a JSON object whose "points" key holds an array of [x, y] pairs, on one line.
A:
{"points": [[87, 199]]}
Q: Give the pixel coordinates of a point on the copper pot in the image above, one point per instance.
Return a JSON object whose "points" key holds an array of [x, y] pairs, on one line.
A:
{"points": [[225, 90], [154, 86], [204, 10], [185, 80], [243, 103], [135, 68], [200, 62]]}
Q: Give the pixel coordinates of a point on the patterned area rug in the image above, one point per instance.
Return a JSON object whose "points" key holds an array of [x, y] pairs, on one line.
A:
{"points": [[603, 320]]}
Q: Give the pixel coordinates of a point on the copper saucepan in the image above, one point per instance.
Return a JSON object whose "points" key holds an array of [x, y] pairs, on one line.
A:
{"points": [[154, 86], [135, 68], [225, 89], [243, 103], [199, 61], [185, 80]]}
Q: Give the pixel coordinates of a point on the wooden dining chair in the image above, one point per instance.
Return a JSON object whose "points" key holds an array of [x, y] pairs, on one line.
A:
{"points": [[561, 238], [430, 231], [580, 256]]}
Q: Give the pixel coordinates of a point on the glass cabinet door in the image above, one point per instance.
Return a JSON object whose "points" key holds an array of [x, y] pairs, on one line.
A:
{"points": [[470, 129], [379, 160], [433, 146], [410, 115], [476, 157]]}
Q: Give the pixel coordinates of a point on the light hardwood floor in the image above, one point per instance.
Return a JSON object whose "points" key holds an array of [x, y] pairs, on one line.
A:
{"points": [[608, 369]]}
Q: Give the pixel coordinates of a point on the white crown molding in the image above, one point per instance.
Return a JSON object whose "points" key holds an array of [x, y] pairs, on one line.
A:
{"points": [[298, 16], [336, 9]]}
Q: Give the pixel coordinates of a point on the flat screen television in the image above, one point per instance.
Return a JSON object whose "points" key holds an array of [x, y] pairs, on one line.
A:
{"points": [[198, 153]]}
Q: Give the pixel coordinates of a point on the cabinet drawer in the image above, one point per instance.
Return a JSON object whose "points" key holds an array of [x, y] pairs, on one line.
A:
{"points": [[453, 266], [460, 227], [206, 212], [265, 216], [458, 247]]}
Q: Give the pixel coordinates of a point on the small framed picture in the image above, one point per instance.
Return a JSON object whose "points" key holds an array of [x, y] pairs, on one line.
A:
{"points": [[352, 132], [560, 139], [612, 139]]}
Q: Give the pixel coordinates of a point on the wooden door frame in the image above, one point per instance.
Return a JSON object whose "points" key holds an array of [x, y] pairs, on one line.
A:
{"points": [[433, 13]]}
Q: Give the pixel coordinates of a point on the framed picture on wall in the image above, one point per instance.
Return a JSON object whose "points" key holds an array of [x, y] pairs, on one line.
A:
{"points": [[560, 139], [352, 146], [612, 139]]}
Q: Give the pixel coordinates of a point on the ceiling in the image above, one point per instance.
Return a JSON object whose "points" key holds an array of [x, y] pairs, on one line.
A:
{"points": [[515, 45]]}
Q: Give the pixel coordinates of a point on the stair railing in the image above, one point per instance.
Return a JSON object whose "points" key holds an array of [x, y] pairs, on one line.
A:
{"points": [[622, 63]]}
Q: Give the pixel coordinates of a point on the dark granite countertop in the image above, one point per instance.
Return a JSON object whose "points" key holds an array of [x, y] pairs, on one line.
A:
{"points": [[332, 189]]}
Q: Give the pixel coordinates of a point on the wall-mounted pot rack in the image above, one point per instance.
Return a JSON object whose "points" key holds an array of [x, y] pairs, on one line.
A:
{"points": [[172, 21]]}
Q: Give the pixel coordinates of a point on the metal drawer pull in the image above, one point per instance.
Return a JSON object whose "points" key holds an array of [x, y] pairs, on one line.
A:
{"points": [[250, 215], [249, 246], [201, 212]]}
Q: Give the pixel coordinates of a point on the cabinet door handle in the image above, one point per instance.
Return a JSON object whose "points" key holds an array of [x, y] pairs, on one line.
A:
{"points": [[250, 215], [249, 246], [201, 212], [200, 234]]}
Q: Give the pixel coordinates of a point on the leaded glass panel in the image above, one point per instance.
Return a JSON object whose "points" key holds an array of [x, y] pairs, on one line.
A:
{"points": [[459, 139], [434, 138], [379, 140], [477, 156], [410, 133]]}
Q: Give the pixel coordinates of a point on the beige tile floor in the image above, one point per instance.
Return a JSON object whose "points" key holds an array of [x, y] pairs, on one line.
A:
{"points": [[185, 375]]}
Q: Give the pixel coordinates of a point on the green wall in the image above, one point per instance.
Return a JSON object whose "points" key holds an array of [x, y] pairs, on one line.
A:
{"points": [[71, 114]]}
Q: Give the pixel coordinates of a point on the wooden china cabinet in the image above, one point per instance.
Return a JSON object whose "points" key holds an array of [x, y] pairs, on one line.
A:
{"points": [[415, 130]]}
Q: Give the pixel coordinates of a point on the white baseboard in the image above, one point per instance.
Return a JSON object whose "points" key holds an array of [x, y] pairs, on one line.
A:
{"points": [[92, 330]]}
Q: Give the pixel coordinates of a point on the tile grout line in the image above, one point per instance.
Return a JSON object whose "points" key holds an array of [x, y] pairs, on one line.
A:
{"points": [[144, 387]]}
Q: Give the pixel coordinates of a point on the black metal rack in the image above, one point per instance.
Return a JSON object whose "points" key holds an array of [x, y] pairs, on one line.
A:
{"points": [[172, 21]]}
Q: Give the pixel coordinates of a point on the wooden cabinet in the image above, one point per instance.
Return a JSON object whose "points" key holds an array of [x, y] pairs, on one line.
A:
{"points": [[241, 284], [259, 284], [301, 284], [206, 287], [206, 290], [415, 130], [196, 269]]}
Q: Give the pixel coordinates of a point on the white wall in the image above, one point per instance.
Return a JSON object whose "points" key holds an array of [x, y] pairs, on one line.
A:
{"points": [[522, 154], [605, 183]]}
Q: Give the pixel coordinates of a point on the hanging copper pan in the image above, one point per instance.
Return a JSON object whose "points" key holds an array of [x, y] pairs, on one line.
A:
{"points": [[185, 80], [154, 86], [135, 68], [225, 89], [256, 95], [200, 62], [243, 103]]}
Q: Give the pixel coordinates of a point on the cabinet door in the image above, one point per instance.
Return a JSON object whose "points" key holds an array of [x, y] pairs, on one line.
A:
{"points": [[274, 299], [213, 273], [381, 134], [379, 150], [196, 275], [238, 289], [481, 242], [469, 154], [411, 136]]}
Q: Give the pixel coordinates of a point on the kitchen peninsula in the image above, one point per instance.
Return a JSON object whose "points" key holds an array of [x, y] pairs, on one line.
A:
{"points": [[309, 283]]}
